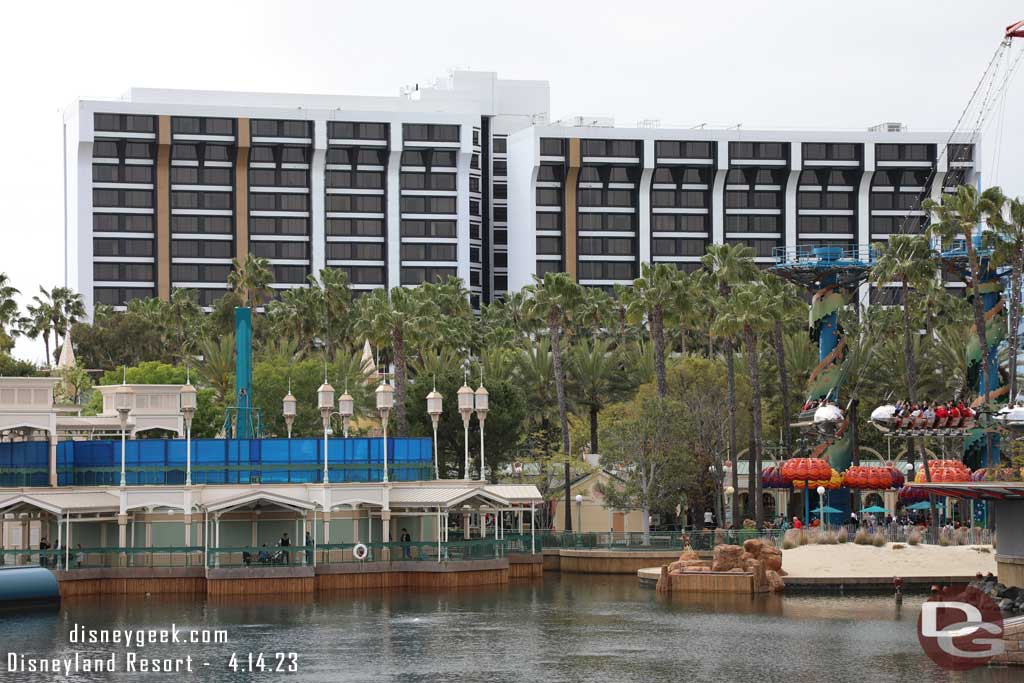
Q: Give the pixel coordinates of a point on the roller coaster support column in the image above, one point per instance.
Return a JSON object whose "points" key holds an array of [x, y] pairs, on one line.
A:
{"points": [[243, 372]]}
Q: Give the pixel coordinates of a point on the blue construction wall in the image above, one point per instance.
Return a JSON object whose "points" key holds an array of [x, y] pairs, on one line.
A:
{"points": [[25, 463], [215, 461]]}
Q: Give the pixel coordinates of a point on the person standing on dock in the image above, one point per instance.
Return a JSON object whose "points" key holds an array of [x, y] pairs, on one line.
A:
{"points": [[284, 543], [406, 539], [309, 549]]}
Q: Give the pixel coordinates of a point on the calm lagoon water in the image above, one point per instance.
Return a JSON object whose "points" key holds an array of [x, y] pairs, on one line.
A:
{"points": [[563, 628]]}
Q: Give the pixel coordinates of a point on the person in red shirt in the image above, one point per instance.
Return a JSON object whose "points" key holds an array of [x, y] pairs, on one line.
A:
{"points": [[941, 415], [797, 524], [954, 415]]}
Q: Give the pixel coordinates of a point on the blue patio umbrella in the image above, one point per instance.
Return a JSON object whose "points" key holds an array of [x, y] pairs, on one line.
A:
{"points": [[923, 505], [827, 510], [874, 508]]}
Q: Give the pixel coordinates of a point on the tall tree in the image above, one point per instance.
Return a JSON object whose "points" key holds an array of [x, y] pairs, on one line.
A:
{"points": [[744, 316], [907, 259], [8, 312], [782, 302], [395, 318], [957, 218], [250, 280], [730, 264], [596, 378], [641, 444], [554, 299], [651, 299]]}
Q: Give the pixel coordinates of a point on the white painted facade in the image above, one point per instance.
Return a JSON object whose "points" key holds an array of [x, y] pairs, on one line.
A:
{"points": [[761, 201]]}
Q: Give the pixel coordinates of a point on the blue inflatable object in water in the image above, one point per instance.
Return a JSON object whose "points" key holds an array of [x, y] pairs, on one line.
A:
{"points": [[30, 585]]}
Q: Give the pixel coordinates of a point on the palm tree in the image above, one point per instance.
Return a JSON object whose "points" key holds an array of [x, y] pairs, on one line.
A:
{"points": [[250, 280], [218, 368], [651, 298], [396, 318], [745, 316], [907, 259], [593, 309], [729, 264], [554, 299], [1007, 241], [596, 379], [8, 307], [37, 323], [958, 216], [187, 317], [782, 302], [337, 303]]}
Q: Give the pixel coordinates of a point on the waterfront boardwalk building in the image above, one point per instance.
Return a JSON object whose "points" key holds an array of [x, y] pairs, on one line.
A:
{"points": [[61, 485]]}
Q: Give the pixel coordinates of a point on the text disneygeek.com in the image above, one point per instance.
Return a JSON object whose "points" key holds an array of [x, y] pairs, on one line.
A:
{"points": [[128, 654]]}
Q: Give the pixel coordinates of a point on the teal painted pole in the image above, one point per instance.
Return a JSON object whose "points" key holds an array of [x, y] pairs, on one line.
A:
{"points": [[243, 372]]}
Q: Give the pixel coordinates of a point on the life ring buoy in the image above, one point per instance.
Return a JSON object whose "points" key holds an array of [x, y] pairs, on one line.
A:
{"points": [[360, 551]]}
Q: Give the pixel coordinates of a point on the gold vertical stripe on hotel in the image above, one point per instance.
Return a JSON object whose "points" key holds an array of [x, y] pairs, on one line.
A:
{"points": [[163, 209], [242, 192], [569, 248]]}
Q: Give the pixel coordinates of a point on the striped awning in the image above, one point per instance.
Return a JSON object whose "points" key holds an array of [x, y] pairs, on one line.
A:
{"points": [[976, 490]]}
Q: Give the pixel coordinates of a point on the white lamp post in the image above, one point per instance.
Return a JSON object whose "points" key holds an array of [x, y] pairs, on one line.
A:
{"points": [[289, 408], [346, 408], [385, 402], [482, 400], [579, 513], [821, 505], [325, 401], [465, 396], [123, 404], [434, 401], [187, 400]]}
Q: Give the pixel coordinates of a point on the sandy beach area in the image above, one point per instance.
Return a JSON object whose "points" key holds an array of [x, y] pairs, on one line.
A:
{"points": [[848, 560]]}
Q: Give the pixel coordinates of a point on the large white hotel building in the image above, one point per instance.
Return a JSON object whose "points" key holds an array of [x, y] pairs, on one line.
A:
{"points": [[465, 177]]}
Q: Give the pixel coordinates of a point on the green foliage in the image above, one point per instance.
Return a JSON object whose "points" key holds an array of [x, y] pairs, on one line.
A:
{"points": [[209, 416], [12, 367]]}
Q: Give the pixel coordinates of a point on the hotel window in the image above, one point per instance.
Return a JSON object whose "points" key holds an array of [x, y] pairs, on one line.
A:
{"points": [[500, 169], [499, 145], [201, 248], [422, 228], [545, 267], [354, 227], [123, 272], [549, 245], [279, 250], [606, 270], [420, 132], [416, 276], [205, 225], [428, 252], [551, 147], [260, 225], [122, 222], [105, 246], [549, 221], [355, 251], [549, 174], [358, 203]]}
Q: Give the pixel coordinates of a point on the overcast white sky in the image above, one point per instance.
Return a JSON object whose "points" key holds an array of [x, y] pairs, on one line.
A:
{"points": [[783, 64]]}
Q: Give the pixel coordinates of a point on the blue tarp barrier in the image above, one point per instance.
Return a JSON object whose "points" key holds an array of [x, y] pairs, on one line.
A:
{"points": [[215, 461]]}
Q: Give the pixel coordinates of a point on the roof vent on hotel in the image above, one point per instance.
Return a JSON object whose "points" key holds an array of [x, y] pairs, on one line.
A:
{"points": [[888, 127]]}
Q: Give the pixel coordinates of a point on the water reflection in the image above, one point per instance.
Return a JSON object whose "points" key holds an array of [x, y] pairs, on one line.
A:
{"points": [[564, 628]]}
